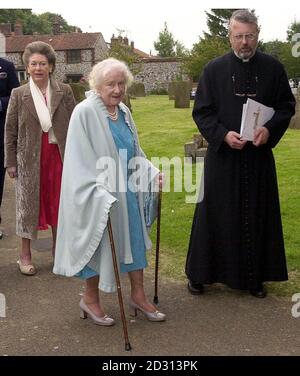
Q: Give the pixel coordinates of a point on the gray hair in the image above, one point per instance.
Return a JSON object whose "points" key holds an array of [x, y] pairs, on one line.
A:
{"points": [[100, 70], [243, 16], [41, 48]]}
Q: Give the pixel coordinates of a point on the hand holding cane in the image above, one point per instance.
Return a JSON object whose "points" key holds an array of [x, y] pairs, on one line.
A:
{"points": [[155, 299], [120, 298]]}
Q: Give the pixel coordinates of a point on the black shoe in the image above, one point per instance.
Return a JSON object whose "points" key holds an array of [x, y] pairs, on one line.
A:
{"points": [[195, 288], [259, 292]]}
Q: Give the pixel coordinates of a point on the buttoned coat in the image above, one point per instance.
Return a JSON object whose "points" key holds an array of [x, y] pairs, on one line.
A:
{"points": [[23, 135]]}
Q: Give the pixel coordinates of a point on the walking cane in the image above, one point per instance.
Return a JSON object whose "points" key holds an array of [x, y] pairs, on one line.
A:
{"points": [[120, 298], [155, 299]]}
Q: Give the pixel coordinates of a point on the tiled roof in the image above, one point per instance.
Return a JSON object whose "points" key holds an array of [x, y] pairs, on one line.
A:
{"points": [[141, 53], [67, 41]]}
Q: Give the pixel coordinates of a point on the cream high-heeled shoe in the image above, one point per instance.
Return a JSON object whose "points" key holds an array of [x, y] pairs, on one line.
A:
{"points": [[29, 269], [151, 316], [85, 312]]}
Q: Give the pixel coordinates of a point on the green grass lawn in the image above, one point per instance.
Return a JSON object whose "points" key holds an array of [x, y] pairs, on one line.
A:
{"points": [[163, 131]]}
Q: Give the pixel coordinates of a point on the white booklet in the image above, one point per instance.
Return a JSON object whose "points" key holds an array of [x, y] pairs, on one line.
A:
{"points": [[254, 115]]}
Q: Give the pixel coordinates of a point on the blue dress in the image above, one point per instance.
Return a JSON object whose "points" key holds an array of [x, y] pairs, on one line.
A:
{"points": [[123, 139]]}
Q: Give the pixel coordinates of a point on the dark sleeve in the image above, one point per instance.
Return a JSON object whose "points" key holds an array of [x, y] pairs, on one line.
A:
{"points": [[284, 110], [205, 112], [12, 82]]}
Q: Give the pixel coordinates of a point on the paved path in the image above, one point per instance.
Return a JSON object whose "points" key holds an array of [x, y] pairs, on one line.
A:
{"points": [[42, 316]]}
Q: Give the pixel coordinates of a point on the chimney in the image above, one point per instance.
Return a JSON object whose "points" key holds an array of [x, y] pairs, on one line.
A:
{"points": [[132, 45], [18, 28], [5, 29], [56, 26], [113, 40], [125, 40]]}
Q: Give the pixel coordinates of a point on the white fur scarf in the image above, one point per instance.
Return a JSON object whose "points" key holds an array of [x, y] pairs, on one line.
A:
{"points": [[43, 109]]}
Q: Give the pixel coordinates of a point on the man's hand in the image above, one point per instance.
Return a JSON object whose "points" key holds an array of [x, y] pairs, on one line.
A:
{"points": [[261, 136], [233, 139], [12, 172]]}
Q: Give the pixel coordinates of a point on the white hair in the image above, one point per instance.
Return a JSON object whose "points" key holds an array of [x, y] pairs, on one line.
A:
{"points": [[101, 69]]}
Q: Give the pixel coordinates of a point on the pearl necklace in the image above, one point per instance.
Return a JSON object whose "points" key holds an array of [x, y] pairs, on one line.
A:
{"points": [[43, 91], [114, 115]]}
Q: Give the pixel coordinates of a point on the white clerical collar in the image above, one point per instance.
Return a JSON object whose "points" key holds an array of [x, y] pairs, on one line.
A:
{"points": [[243, 60]]}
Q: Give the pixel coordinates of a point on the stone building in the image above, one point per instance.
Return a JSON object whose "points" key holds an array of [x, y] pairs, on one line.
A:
{"points": [[76, 52], [156, 73]]}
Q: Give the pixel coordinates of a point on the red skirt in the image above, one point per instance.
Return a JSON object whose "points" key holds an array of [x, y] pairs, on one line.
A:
{"points": [[50, 182]]}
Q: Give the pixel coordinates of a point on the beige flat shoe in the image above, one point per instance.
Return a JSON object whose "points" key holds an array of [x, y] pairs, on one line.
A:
{"points": [[26, 269]]}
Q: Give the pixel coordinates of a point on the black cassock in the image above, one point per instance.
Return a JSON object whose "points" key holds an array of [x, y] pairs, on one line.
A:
{"points": [[236, 235]]}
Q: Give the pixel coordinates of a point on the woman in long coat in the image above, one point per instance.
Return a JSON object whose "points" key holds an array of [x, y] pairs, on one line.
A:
{"points": [[35, 133]]}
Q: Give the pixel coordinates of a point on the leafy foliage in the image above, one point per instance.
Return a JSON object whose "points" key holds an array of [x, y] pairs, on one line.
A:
{"points": [[124, 53], [181, 50], [293, 29], [204, 51], [217, 22], [33, 23], [283, 52], [165, 45]]}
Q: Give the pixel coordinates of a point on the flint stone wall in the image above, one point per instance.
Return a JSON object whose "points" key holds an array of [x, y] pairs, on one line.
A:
{"points": [[157, 73]]}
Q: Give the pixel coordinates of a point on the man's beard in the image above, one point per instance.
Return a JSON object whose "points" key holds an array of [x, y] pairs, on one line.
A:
{"points": [[245, 55]]}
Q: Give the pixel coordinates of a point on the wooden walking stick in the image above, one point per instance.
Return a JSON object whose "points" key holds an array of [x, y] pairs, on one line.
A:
{"points": [[155, 299], [120, 298]]}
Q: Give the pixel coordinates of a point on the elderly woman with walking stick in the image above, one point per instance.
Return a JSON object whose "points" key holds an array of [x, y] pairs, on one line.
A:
{"points": [[98, 188]]}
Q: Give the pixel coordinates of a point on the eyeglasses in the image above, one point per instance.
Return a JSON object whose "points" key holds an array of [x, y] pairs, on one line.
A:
{"points": [[240, 37], [42, 64], [244, 88]]}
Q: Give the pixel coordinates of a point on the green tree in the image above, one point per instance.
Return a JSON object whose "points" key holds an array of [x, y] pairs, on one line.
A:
{"points": [[283, 52], [165, 45], [124, 53], [33, 23], [14, 15], [51, 18], [202, 52], [293, 29], [217, 22], [121, 51], [274, 48], [181, 50]]}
